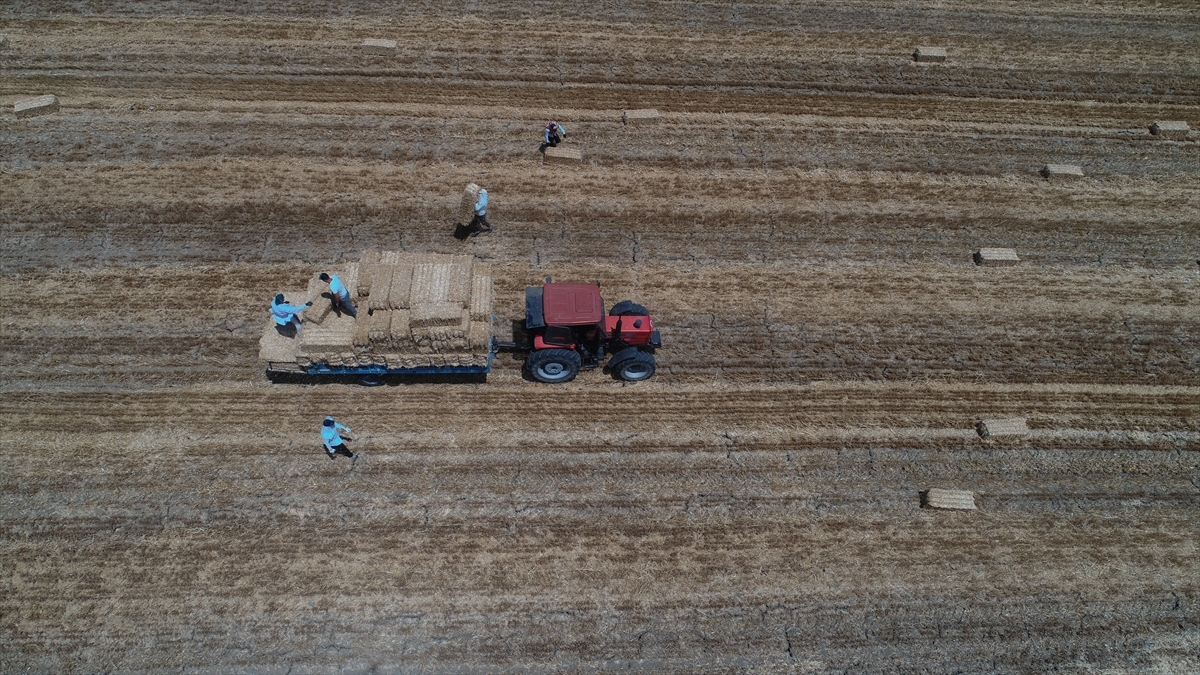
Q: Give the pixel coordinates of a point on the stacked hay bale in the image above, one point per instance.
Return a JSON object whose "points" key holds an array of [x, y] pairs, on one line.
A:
{"points": [[929, 55], [414, 311]]}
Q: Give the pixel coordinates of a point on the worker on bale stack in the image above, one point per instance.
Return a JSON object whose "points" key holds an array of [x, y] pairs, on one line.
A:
{"points": [[339, 293], [287, 315]]}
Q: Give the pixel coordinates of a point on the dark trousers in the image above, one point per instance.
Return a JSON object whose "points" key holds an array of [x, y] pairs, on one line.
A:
{"points": [[340, 449], [480, 224], [344, 304], [552, 143]]}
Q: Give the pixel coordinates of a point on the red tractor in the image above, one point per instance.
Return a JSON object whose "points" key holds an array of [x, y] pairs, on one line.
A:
{"points": [[570, 331]]}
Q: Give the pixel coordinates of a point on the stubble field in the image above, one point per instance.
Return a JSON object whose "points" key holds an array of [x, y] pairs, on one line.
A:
{"points": [[800, 222]]}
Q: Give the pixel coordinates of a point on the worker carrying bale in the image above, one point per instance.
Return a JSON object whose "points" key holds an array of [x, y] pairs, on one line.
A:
{"points": [[339, 294], [478, 209], [552, 135], [286, 316]]}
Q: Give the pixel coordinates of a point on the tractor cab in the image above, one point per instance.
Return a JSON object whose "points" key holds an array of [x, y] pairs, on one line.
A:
{"points": [[570, 331]]}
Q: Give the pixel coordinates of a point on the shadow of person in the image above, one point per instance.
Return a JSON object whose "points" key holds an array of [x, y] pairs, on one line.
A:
{"points": [[461, 232], [288, 330]]}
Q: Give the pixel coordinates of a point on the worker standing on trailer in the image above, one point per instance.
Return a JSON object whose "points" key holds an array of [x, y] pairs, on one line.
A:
{"points": [[480, 223], [287, 315], [334, 443], [340, 294], [552, 135]]}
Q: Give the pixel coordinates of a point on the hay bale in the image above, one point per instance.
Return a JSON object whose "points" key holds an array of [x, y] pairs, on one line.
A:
{"points": [[466, 208], [400, 293], [479, 336], [431, 280], [274, 347], [426, 314], [400, 337], [379, 47], [459, 286], [643, 116], [361, 339], [482, 295], [938, 498], [561, 155], [996, 257], [1061, 172], [381, 287], [368, 266], [929, 54], [32, 107], [1175, 130], [1011, 426], [379, 327]]}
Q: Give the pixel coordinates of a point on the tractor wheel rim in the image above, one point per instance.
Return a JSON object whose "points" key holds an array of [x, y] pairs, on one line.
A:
{"points": [[636, 371], [553, 371]]}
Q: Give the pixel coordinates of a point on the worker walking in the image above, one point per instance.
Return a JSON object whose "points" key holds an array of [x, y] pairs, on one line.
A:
{"points": [[552, 135], [340, 294], [334, 443], [287, 315], [480, 223]]}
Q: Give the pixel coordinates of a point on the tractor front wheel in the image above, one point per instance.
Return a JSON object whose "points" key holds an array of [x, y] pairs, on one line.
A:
{"points": [[553, 365], [628, 308], [639, 366]]}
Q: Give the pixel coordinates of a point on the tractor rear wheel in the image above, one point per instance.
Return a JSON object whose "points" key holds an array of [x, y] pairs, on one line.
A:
{"points": [[640, 366], [628, 308], [553, 365]]}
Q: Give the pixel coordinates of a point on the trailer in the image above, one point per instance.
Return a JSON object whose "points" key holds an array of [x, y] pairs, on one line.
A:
{"points": [[416, 315]]}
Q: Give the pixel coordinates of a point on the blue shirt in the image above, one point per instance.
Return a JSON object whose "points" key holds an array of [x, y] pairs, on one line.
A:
{"points": [[338, 288], [331, 436], [284, 313], [557, 129], [481, 205]]}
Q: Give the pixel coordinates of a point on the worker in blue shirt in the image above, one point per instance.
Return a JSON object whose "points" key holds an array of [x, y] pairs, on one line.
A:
{"points": [[340, 294], [552, 135], [334, 444], [287, 315], [480, 223]]}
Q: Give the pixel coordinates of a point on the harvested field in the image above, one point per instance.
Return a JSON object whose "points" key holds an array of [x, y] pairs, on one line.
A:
{"points": [[799, 220]]}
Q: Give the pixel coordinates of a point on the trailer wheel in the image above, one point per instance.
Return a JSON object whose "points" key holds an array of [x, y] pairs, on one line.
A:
{"points": [[371, 380], [553, 365], [640, 366], [628, 308]]}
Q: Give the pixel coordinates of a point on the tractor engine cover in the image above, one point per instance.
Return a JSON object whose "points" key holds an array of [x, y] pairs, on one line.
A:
{"points": [[634, 330]]}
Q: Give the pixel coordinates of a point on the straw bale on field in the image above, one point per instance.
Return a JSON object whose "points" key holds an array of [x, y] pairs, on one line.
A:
{"points": [[466, 208], [1176, 130], [929, 54], [1011, 426], [996, 257], [562, 155], [1060, 172], [938, 498], [40, 105], [482, 295], [380, 47], [642, 116]]}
